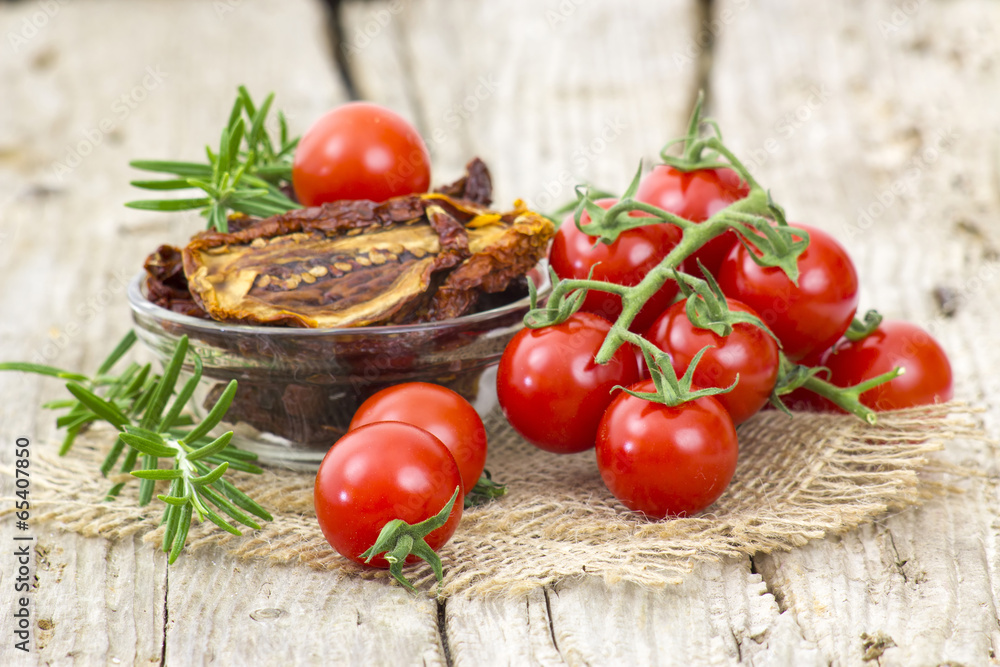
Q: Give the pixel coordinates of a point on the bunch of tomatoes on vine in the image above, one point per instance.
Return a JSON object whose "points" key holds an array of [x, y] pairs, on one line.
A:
{"points": [[682, 309], [678, 311]]}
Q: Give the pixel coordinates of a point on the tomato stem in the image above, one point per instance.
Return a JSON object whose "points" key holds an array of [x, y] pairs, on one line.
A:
{"points": [[861, 329], [793, 376], [399, 539], [848, 398]]}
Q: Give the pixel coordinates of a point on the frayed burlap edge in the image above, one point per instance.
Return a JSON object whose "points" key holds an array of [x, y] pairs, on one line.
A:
{"points": [[798, 479]]}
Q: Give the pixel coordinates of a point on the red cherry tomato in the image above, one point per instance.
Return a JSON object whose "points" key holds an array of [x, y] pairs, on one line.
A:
{"points": [[438, 410], [747, 352], [806, 318], [926, 380], [624, 262], [381, 472], [662, 460], [696, 196], [360, 150], [550, 388]]}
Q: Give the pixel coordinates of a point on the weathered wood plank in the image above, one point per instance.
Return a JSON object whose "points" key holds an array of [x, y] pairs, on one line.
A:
{"points": [[157, 82], [872, 129], [551, 77], [98, 601], [550, 93], [240, 613]]}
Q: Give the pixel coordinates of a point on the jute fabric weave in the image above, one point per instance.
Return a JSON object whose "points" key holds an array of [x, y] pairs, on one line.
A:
{"points": [[798, 479]]}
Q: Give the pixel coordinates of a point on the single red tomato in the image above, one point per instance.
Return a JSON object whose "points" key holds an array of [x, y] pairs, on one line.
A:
{"points": [[624, 262], [438, 410], [696, 196], [360, 150], [807, 317], [926, 380], [551, 389], [662, 460], [747, 352], [380, 472]]}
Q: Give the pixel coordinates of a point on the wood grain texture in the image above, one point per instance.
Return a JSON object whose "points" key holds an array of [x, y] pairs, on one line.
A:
{"points": [[869, 129], [92, 85], [834, 110], [549, 94]]}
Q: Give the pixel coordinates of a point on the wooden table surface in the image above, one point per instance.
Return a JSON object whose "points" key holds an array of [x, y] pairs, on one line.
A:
{"points": [[874, 120]]}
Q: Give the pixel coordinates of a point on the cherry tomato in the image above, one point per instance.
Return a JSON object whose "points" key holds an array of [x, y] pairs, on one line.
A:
{"points": [[438, 410], [806, 318], [662, 460], [550, 388], [624, 262], [926, 380], [747, 352], [380, 472], [360, 150], [696, 196]]}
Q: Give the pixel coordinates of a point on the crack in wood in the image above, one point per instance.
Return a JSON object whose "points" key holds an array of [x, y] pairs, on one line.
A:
{"points": [[703, 64], [770, 586], [898, 562], [337, 39], [548, 615], [443, 632], [166, 616]]}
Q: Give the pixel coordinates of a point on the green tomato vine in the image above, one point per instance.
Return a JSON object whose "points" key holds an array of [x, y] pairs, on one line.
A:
{"points": [[760, 225]]}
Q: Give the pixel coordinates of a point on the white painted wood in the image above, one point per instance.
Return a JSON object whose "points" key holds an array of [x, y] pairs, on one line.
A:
{"points": [[549, 93], [563, 71], [846, 127]]}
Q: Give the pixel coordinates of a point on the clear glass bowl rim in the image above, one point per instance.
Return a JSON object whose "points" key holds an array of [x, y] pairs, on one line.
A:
{"points": [[141, 305]]}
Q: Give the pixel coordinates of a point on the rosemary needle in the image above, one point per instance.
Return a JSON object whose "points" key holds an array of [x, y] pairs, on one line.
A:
{"points": [[246, 175], [147, 412]]}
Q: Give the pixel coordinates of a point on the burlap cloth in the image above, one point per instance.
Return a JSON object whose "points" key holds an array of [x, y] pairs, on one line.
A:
{"points": [[798, 479]]}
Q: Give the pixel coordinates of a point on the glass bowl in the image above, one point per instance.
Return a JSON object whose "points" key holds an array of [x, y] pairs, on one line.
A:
{"points": [[299, 388]]}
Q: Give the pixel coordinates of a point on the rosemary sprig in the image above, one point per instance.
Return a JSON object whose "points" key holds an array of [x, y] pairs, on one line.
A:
{"points": [[138, 403], [245, 175]]}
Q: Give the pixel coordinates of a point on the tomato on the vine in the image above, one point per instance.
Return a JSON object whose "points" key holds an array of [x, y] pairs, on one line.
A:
{"points": [[436, 409], [551, 389], [803, 400], [380, 472], [747, 352], [696, 196], [807, 317], [662, 460], [927, 377], [624, 262], [360, 150]]}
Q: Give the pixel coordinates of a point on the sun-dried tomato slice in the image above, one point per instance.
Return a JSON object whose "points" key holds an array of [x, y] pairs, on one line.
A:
{"points": [[353, 263]]}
